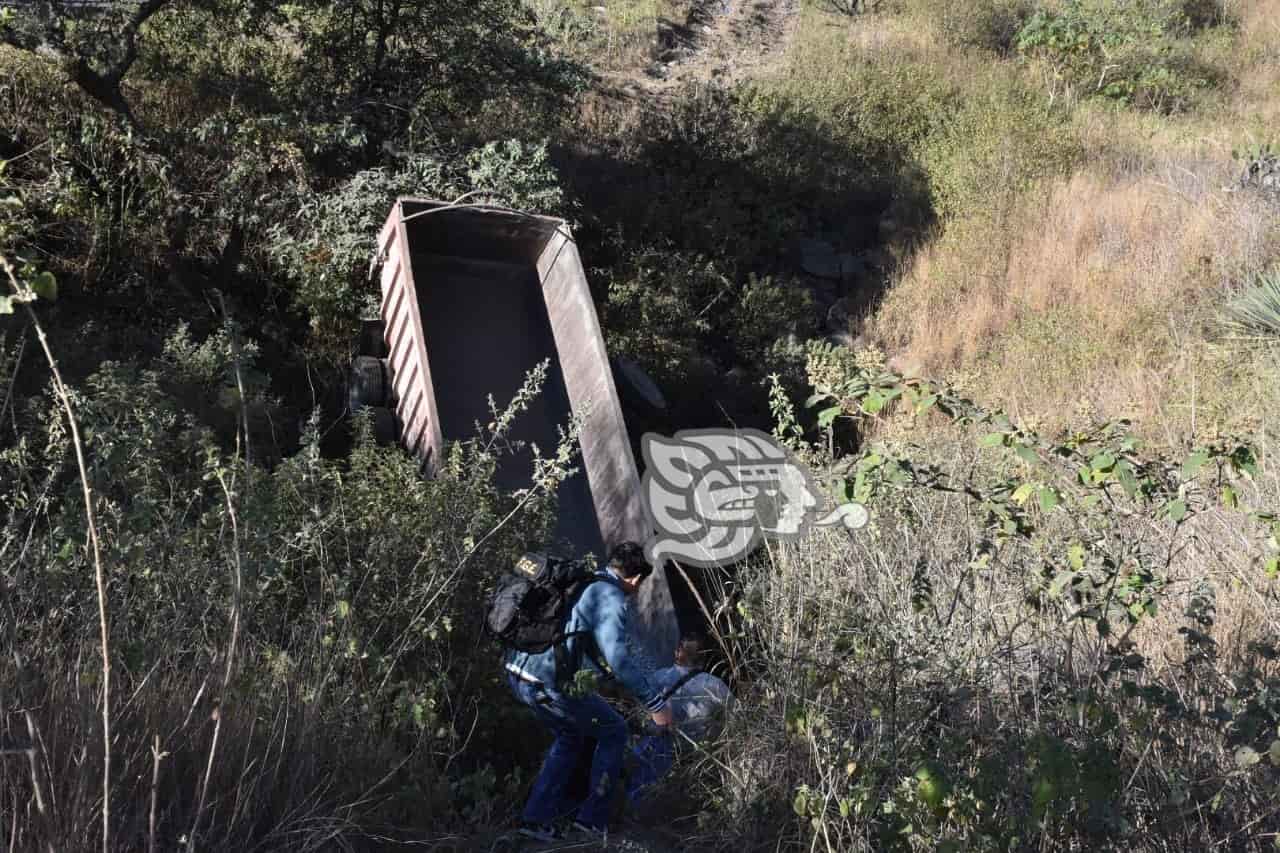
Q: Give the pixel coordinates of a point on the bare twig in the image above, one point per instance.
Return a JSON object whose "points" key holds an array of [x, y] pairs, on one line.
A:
{"points": [[99, 575], [156, 756], [237, 589]]}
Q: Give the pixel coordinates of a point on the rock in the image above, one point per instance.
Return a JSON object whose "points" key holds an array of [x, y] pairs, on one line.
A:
{"points": [[842, 339], [878, 260], [1263, 173], [823, 293], [852, 268], [838, 316], [818, 258]]}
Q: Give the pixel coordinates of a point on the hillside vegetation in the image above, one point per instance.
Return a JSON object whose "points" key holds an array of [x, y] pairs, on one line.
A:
{"points": [[1046, 363]]}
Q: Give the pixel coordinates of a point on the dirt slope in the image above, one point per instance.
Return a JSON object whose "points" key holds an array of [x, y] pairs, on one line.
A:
{"points": [[721, 41]]}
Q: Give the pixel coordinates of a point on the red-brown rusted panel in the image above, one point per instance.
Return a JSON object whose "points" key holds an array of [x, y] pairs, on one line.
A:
{"points": [[489, 285]]}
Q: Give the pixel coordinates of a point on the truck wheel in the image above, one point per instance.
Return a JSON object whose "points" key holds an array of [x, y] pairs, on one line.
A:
{"points": [[367, 383], [636, 386], [384, 425], [372, 341]]}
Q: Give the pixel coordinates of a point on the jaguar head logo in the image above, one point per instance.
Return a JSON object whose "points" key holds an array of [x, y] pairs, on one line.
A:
{"points": [[712, 495]]}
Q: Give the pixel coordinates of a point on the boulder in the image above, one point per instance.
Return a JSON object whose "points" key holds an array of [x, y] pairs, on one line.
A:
{"points": [[842, 339], [838, 316], [818, 258], [852, 268]]}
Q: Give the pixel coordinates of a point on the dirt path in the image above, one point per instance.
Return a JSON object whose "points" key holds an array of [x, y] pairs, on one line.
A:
{"points": [[721, 41]]}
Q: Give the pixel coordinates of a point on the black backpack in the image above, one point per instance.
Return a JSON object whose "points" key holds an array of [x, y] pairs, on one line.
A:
{"points": [[528, 609]]}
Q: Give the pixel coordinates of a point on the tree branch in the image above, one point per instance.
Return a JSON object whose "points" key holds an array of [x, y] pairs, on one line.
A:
{"points": [[102, 83]]}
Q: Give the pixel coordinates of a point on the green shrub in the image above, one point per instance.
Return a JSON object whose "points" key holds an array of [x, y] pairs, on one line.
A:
{"points": [[1012, 654], [669, 310], [999, 140], [327, 247], [985, 24], [358, 673], [1136, 53]]}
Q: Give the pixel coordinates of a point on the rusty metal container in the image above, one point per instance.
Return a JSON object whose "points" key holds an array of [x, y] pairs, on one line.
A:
{"points": [[472, 299]]}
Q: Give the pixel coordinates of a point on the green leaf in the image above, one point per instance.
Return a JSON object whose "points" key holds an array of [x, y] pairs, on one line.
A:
{"points": [[1026, 454], [1243, 460], [872, 403], [6, 304], [1230, 499], [1102, 461], [1124, 473], [1049, 498], [992, 439], [45, 286], [1176, 510], [1194, 463], [1075, 556], [827, 415], [815, 399], [1272, 567], [1023, 492], [1246, 757], [1060, 582], [926, 404]]}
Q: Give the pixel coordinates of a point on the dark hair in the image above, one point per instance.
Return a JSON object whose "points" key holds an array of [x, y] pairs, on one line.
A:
{"points": [[695, 640], [628, 559]]}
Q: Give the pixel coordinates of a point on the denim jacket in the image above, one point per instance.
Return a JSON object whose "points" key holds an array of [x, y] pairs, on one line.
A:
{"points": [[603, 611]]}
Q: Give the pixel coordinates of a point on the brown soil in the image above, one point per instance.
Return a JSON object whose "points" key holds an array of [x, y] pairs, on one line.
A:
{"points": [[720, 41]]}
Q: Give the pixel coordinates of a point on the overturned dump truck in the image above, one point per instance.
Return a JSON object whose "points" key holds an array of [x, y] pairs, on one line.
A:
{"points": [[472, 299]]}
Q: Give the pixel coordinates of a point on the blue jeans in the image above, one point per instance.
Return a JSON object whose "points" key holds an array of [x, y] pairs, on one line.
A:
{"points": [[573, 720], [654, 755]]}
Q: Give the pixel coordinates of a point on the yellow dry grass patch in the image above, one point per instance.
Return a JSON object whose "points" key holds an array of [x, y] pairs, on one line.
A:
{"points": [[1096, 289]]}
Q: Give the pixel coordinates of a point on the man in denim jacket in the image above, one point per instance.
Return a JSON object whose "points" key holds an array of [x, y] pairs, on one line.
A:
{"points": [[597, 638]]}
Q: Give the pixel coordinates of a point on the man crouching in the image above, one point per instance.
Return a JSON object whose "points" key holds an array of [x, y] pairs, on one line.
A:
{"points": [[595, 636]]}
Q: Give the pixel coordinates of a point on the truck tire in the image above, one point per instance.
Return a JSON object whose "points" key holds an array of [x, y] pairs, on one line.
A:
{"points": [[367, 384], [384, 425], [372, 340]]}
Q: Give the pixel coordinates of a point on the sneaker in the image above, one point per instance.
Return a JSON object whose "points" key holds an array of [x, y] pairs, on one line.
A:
{"points": [[540, 832]]}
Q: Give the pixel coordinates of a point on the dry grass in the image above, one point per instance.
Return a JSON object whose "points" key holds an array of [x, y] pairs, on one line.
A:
{"points": [[1259, 80], [1097, 288], [1100, 286]]}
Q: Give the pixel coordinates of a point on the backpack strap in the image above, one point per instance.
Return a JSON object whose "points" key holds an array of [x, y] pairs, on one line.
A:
{"points": [[564, 664]]}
